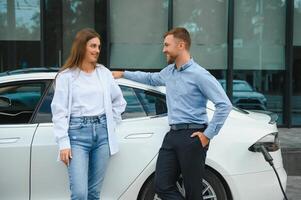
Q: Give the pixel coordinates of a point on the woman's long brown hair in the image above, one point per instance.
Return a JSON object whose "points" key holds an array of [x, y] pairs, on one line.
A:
{"points": [[78, 49]]}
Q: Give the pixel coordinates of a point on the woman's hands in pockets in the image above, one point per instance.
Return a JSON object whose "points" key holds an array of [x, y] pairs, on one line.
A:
{"points": [[66, 156]]}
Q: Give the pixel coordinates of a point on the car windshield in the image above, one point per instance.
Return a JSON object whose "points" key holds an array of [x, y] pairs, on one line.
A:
{"points": [[242, 86]]}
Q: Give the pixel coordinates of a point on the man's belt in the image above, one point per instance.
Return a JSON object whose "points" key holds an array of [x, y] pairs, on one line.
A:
{"points": [[176, 127]]}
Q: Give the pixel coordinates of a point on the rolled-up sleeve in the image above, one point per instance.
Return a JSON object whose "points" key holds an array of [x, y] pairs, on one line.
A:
{"points": [[59, 109]]}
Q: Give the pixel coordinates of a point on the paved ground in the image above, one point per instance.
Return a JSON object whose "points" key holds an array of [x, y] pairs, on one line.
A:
{"points": [[293, 189], [290, 137], [290, 140]]}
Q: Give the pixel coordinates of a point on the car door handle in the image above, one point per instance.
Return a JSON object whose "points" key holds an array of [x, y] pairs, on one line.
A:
{"points": [[9, 140]]}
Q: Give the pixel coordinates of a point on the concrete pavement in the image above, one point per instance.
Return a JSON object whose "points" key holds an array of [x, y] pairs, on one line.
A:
{"points": [[290, 141]]}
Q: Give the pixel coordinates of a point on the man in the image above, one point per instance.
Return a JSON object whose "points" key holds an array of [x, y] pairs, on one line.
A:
{"points": [[188, 87]]}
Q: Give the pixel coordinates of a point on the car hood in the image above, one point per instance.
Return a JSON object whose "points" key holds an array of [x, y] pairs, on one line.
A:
{"points": [[259, 116], [263, 117]]}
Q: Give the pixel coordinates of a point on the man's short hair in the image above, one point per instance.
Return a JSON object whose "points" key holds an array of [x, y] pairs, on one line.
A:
{"points": [[180, 33]]}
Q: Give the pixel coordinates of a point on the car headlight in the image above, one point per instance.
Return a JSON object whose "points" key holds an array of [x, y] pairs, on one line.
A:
{"points": [[270, 142]]}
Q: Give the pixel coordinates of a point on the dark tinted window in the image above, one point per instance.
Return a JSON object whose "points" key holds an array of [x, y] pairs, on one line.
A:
{"points": [[44, 113], [134, 107], [140, 103], [153, 103], [19, 100]]}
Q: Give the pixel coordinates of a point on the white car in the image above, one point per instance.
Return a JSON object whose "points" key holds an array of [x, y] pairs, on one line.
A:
{"points": [[28, 151]]}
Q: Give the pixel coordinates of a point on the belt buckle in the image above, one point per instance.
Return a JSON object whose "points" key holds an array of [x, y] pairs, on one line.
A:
{"points": [[175, 127]]}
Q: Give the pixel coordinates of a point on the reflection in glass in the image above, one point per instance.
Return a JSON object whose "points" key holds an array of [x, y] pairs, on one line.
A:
{"points": [[259, 53], [133, 108], [77, 14], [20, 20], [137, 28], [259, 34], [207, 23], [22, 100], [153, 103], [246, 97], [261, 90]]}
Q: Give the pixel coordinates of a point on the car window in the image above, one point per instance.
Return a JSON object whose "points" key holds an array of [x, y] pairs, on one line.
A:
{"points": [[44, 113], [153, 103], [140, 103], [18, 101], [134, 107], [242, 86]]}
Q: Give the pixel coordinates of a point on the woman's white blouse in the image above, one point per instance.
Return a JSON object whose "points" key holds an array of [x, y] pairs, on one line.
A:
{"points": [[113, 101], [87, 95]]}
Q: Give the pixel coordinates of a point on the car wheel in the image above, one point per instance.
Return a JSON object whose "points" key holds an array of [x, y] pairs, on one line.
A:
{"points": [[213, 188]]}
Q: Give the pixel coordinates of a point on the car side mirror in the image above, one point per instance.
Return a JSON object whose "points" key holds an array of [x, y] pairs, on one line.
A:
{"points": [[4, 102]]}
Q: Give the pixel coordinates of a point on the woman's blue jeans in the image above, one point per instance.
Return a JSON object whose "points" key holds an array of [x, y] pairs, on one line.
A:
{"points": [[90, 156]]}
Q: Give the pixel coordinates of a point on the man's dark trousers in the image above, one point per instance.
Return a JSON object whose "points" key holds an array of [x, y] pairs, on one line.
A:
{"points": [[180, 154]]}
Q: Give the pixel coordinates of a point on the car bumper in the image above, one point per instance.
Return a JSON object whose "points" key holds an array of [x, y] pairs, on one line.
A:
{"points": [[260, 186]]}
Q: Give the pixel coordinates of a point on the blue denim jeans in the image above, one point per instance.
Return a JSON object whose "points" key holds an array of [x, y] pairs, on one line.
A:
{"points": [[90, 156]]}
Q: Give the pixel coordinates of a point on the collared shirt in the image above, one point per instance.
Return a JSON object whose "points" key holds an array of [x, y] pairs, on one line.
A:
{"points": [[187, 91]]}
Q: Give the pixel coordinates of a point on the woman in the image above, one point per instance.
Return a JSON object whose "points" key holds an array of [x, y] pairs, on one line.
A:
{"points": [[86, 106]]}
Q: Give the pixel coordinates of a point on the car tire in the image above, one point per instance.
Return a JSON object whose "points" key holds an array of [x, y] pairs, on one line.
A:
{"points": [[216, 188], [213, 188]]}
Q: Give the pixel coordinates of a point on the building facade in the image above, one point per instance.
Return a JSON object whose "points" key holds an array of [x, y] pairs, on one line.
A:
{"points": [[253, 47]]}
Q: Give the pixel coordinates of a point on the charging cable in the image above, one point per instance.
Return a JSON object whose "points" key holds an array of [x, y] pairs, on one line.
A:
{"points": [[267, 156]]}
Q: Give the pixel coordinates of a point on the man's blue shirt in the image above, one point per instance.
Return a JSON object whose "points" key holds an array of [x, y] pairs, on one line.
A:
{"points": [[187, 91]]}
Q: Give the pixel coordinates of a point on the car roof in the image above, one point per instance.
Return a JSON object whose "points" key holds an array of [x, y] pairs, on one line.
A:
{"points": [[29, 70], [50, 75]]}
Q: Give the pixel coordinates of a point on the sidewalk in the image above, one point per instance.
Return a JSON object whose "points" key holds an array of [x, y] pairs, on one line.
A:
{"points": [[290, 137], [290, 141], [293, 188]]}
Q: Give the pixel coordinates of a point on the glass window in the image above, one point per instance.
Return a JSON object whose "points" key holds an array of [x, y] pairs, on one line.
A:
{"points": [[137, 28], [296, 99], [297, 26], [77, 14], [207, 23], [18, 101], [20, 34], [259, 54], [259, 35], [52, 33], [20, 20], [153, 103], [242, 86], [140, 103], [134, 107], [44, 114]]}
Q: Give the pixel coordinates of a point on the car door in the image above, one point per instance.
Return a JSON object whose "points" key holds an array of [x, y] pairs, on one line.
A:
{"points": [[140, 135], [49, 178], [18, 101]]}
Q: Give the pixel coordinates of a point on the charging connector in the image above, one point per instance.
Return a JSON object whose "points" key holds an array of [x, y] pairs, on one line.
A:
{"points": [[267, 156]]}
